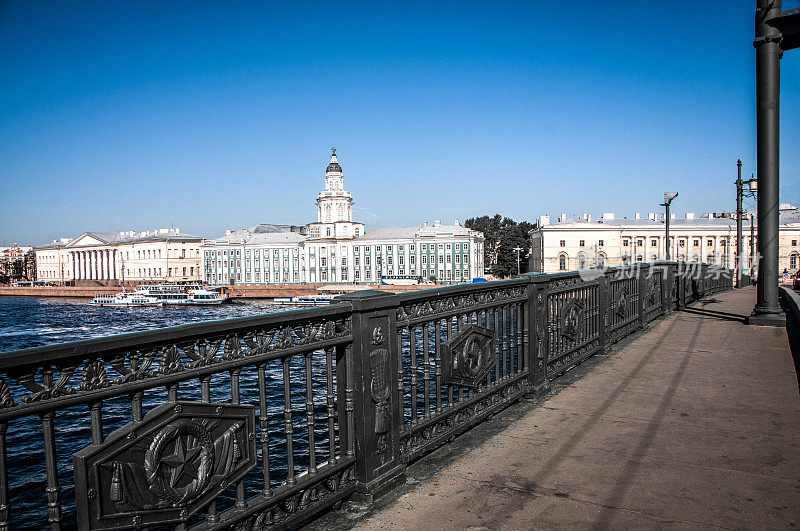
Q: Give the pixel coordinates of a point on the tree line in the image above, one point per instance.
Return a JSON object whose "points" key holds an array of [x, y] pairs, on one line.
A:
{"points": [[502, 236]]}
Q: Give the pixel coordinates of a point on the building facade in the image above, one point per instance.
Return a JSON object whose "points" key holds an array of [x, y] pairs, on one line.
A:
{"points": [[11, 255], [336, 249], [574, 244], [101, 258]]}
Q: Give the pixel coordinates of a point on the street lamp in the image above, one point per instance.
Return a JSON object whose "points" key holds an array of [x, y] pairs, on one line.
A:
{"points": [[518, 249], [668, 197], [740, 193]]}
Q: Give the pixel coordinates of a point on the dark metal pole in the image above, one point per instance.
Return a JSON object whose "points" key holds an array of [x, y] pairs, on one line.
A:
{"points": [[767, 43], [739, 224], [752, 265], [666, 223]]}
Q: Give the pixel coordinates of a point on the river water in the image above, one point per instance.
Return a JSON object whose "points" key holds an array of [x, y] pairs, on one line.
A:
{"points": [[32, 322]]}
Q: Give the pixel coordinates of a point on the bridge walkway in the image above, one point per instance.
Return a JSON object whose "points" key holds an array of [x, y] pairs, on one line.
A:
{"points": [[695, 424]]}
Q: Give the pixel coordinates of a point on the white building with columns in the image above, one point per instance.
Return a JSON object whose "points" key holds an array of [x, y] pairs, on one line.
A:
{"points": [[336, 249], [103, 258]]}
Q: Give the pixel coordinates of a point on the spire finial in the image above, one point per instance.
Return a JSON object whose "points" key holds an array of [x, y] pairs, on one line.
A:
{"points": [[333, 151]]}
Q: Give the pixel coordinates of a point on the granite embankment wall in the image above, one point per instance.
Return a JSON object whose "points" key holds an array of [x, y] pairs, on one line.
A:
{"points": [[254, 292]]}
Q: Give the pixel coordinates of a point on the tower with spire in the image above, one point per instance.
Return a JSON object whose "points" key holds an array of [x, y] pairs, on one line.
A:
{"points": [[335, 207]]}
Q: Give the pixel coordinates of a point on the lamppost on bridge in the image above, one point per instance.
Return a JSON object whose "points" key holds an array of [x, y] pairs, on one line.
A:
{"points": [[518, 249], [740, 194], [776, 32], [668, 197]]}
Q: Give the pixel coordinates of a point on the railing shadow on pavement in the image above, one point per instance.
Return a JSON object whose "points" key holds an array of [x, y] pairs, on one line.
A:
{"points": [[262, 422]]}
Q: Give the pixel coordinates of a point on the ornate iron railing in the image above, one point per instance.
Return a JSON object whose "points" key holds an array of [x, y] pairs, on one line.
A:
{"points": [[258, 423]]}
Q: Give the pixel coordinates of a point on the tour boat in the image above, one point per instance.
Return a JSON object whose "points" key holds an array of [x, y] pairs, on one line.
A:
{"points": [[125, 299], [305, 300], [181, 294]]}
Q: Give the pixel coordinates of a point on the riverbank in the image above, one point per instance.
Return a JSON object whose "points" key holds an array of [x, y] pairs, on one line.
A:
{"points": [[250, 292]]}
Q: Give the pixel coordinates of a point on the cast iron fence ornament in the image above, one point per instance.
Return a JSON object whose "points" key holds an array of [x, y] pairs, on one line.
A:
{"points": [[469, 356], [166, 467]]}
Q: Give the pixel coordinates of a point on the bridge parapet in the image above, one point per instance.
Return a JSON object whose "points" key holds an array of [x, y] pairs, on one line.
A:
{"points": [[263, 421]]}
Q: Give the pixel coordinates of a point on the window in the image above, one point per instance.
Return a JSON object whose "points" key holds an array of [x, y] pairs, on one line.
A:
{"points": [[458, 258], [625, 243], [562, 262], [722, 242], [388, 248], [355, 250], [710, 243], [389, 260], [366, 263], [793, 261], [411, 259], [562, 243], [582, 243], [681, 243], [600, 243], [794, 243], [448, 246], [323, 262], [424, 259], [640, 242], [400, 248], [401, 260], [356, 261], [357, 275], [448, 258], [653, 242], [441, 258]]}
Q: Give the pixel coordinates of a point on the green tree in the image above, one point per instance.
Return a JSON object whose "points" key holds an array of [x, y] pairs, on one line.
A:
{"points": [[17, 270], [502, 236], [29, 263]]}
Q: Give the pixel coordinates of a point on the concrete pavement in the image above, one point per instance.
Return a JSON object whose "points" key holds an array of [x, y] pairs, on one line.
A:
{"points": [[695, 424]]}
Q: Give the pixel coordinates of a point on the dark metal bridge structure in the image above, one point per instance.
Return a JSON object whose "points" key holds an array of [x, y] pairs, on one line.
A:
{"points": [[262, 422]]}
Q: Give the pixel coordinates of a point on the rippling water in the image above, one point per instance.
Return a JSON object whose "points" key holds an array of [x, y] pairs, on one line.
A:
{"points": [[31, 322]]}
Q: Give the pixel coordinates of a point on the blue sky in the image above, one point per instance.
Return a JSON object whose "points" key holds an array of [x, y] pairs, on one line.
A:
{"points": [[215, 115]]}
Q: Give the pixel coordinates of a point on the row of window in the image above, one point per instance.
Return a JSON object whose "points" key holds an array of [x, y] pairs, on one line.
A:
{"points": [[654, 242]]}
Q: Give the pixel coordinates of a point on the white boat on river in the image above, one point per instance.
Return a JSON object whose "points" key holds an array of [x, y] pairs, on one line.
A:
{"points": [[125, 300], [305, 300], [181, 294]]}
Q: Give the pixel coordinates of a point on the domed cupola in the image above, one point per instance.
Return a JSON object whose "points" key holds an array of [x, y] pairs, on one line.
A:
{"points": [[334, 165]]}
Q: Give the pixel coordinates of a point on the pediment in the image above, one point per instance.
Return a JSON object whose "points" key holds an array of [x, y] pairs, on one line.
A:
{"points": [[86, 240]]}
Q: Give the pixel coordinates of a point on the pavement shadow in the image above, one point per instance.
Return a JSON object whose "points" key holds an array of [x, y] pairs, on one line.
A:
{"points": [[716, 314], [625, 479], [595, 416]]}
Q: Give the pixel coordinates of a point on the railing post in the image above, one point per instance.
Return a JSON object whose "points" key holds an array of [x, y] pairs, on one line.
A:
{"points": [[377, 403], [604, 294], [680, 273], [536, 334], [641, 281], [666, 288]]}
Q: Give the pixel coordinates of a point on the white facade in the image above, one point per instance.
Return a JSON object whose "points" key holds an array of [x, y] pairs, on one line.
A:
{"points": [[335, 249], [574, 244], [110, 258]]}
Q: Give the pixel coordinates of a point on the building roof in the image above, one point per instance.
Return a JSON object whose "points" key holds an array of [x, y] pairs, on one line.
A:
{"points": [[252, 237], [117, 238], [429, 231]]}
